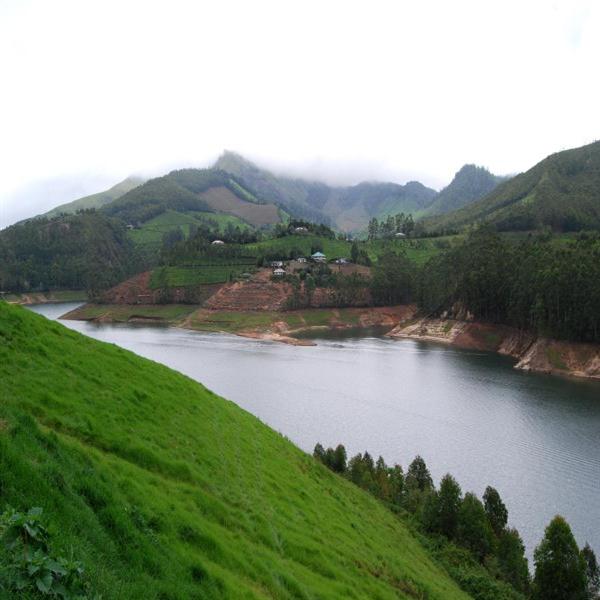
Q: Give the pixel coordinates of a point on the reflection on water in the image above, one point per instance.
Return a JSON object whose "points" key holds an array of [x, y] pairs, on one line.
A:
{"points": [[534, 437]]}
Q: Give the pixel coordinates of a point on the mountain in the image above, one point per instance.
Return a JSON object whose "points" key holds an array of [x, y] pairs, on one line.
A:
{"points": [[192, 191], [96, 200], [469, 184], [347, 208], [161, 489], [561, 192]]}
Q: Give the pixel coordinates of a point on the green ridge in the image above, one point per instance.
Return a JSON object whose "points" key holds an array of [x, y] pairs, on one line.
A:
{"points": [[164, 490]]}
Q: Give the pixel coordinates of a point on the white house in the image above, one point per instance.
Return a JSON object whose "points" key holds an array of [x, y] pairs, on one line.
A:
{"points": [[400, 235], [340, 261], [278, 272], [319, 257], [301, 259], [276, 264], [218, 243]]}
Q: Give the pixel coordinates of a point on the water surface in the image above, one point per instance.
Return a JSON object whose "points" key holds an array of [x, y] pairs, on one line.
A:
{"points": [[536, 438]]}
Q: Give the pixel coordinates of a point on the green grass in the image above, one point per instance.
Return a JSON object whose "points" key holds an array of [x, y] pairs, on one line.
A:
{"points": [[51, 296], [169, 313], [331, 248], [187, 276], [152, 231], [166, 491], [233, 322]]}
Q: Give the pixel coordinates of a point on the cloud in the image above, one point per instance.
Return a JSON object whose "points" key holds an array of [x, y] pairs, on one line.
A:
{"points": [[348, 89]]}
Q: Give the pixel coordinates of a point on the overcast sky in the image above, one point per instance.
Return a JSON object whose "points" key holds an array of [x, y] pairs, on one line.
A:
{"points": [[92, 91]]}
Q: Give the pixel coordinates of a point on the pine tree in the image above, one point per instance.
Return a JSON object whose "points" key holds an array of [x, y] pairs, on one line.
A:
{"points": [[512, 561], [473, 530], [560, 569], [592, 572], [495, 509]]}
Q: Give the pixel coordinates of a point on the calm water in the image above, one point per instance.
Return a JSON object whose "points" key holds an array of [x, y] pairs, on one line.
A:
{"points": [[535, 438]]}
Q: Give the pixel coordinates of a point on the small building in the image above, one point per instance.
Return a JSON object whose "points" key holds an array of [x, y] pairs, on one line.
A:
{"points": [[400, 235], [341, 261], [301, 259], [277, 264], [130, 226], [278, 273], [319, 257], [300, 230], [218, 243]]}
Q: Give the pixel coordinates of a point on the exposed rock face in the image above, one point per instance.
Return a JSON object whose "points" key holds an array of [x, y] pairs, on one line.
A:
{"points": [[533, 354]]}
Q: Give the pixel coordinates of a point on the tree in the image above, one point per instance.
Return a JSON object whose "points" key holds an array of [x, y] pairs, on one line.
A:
{"points": [[511, 559], [473, 530], [319, 452], [354, 253], [495, 509], [592, 572], [448, 501], [393, 279], [396, 479], [339, 459], [560, 569], [373, 229], [418, 475]]}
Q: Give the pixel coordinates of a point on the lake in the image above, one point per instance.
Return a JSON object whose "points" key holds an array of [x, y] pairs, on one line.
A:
{"points": [[536, 438]]}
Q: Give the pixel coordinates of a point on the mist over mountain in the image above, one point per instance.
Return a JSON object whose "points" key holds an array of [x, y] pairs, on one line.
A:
{"points": [[347, 208]]}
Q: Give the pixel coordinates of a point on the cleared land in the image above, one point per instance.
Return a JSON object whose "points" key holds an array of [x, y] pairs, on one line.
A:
{"points": [[224, 200]]}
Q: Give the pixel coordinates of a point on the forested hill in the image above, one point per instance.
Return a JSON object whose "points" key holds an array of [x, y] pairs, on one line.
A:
{"points": [[84, 251], [561, 192], [470, 183], [96, 200], [154, 488], [191, 191], [347, 208]]}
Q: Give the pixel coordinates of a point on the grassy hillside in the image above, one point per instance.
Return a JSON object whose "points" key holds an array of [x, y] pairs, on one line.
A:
{"points": [[347, 208], [560, 192], [151, 232], [165, 491], [96, 200], [192, 190]]}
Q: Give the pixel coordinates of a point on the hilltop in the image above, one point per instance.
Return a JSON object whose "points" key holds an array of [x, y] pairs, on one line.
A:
{"points": [[561, 192], [468, 185], [164, 490], [347, 208], [96, 200]]}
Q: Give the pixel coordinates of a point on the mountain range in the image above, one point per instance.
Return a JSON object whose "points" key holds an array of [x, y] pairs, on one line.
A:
{"points": [[350, 208], [562, 193]]}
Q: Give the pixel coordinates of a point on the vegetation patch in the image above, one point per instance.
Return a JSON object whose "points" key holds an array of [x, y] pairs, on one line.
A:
{"points": [[253, 516]]}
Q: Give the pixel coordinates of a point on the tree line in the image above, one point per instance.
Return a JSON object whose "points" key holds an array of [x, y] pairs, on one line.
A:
{"points": [[466, 531], [390, 226], [546, 285]]}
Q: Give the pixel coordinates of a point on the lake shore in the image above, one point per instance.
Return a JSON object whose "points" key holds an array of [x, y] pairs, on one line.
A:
{"points": [[50, 297], [532, 353], [277, 326]]}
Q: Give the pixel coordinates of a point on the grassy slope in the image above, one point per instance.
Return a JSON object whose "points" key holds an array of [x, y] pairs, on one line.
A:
{"points": [[97, 200], [151, 232], [165, 490]]}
